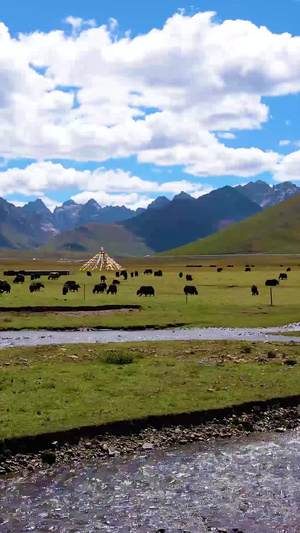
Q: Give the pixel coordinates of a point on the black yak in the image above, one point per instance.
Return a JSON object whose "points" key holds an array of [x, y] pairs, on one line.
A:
{"points": [[271, 282], [99, 288], [112, 289], [254, 290], [190, 289], [145, 291], [282, 275]]}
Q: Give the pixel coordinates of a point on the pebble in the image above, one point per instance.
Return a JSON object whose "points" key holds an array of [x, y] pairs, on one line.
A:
{"points": [[147, 446]]}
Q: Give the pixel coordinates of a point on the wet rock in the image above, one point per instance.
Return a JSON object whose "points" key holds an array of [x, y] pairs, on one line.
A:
{"points": [[111, 452], [147, 446], [247, 426], [48, 457]]}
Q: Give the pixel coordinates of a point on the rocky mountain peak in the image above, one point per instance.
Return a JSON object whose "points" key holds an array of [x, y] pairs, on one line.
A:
{"points": [[267, 195], [92, 204], [182, 196], [36, 206], [159, 203], [68, 203]]}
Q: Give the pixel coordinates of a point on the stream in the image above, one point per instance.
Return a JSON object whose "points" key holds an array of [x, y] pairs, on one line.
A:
{"points": [[251, 484], [34, 338]]}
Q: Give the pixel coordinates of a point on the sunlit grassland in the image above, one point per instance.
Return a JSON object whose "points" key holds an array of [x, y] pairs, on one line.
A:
{"points": [[51, 388], [224, 298]]}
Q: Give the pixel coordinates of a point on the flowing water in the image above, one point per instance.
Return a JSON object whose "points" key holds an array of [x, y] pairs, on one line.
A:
{"points": [[250, 484], [33, 338]]}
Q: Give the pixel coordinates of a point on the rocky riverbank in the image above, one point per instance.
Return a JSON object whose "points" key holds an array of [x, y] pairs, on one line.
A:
{"points": [[260, 419]]}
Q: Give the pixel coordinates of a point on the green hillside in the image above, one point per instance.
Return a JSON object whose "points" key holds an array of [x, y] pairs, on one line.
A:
{"points": [[275, 230], [116, 240]]}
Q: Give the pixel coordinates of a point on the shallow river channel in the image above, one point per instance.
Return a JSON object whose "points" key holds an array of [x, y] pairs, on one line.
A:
{"points": [[33, 338], [250, 484]]}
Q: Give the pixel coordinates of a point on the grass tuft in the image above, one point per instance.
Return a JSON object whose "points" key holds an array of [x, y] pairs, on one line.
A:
{"points": [[247, 348], [119, 359]]}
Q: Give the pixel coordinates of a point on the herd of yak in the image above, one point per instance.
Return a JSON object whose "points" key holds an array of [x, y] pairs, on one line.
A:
{"points": [[144, 290]]}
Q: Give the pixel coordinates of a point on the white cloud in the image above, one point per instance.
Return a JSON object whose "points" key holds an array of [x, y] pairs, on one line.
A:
{"points": [[215, 160], [289, 168], [226, 135], [77, 23], [109, 186], [194, 76], [169, 96]]}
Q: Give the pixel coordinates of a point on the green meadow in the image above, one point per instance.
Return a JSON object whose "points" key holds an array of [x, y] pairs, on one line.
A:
{"points": [[224, 298], [51, 388]]}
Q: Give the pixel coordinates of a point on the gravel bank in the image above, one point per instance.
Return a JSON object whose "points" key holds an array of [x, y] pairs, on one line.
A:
{"points": [[260, 419]]}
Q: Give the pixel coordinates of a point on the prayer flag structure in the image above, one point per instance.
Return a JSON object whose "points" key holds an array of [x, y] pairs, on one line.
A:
{"points": [[101, 261]]}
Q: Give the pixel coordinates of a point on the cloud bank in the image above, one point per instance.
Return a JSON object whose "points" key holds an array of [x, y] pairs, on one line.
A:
{"points": [[172, 96]]}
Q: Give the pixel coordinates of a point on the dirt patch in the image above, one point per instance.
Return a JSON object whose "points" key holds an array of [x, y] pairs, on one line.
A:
{"points": [[97, 313], [66, 308]]}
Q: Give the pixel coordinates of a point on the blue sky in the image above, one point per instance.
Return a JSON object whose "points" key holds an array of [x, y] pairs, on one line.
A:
{"points": [[124, 101]]}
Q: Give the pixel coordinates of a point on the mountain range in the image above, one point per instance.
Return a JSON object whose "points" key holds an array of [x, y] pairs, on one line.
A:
{"points": [[273, 230], [186, 219], [163, 225]]}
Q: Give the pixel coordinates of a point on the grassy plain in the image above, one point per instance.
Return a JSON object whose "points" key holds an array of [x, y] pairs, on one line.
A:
{"points": [[224, 298], [50, 388]]}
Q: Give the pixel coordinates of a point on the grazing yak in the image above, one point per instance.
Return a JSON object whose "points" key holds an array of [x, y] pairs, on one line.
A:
{"points": [[158, 273], [117, 275], [180, 274], [34, 287], [148, 271], [247, 269], [190, 289], [103, 278], [136, 274], [212, 266], [116, 282], [72, 286], [4, 286], [35, 276], [100, 288], [89, 274], [254, 290], [288, 269], [112, 289], [19, 278], [65, 290], [219, 269], [282, 275], [189, 277], [124, 274], [132, 274], [54, 275], [145, 291], [271, 282], [230, 266]]}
